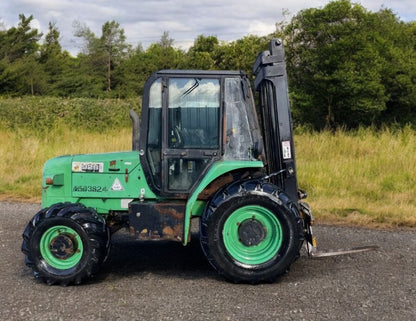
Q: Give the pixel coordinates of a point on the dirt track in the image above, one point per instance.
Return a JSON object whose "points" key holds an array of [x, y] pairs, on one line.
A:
{"points": [[171, 282]]}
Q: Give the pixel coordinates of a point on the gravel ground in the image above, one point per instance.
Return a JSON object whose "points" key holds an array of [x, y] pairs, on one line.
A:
{"points": [[171, 282]]}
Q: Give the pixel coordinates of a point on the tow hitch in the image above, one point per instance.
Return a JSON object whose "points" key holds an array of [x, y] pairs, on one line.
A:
{"points": [[311, 246]]}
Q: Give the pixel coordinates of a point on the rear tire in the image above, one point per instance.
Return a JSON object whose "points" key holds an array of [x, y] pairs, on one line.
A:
{"points": [[251, 232], [65, 243]]}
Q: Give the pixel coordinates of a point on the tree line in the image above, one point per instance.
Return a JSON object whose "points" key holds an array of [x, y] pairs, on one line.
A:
{"points": [[347, 66]]}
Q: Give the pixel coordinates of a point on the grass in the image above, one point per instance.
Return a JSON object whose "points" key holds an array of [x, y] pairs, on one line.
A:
{"points": [[24, 153], [364, 178]]}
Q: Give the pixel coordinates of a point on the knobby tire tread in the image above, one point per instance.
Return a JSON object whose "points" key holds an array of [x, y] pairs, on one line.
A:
{"points": [[88, 221], [244, 190]]}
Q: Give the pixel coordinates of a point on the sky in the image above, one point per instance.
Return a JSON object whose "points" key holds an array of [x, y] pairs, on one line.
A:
{"points": [[144, 21]]}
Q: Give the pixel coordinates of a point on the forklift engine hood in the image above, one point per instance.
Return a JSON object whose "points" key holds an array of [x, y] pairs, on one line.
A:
{"points": [[104, 175], [94, 176]]}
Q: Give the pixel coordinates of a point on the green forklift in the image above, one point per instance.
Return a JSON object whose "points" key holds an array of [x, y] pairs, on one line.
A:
{"points": [[199, 151]]}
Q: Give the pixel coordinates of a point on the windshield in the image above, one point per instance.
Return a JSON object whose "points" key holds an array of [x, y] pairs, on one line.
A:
{"points": [[239, 143]]}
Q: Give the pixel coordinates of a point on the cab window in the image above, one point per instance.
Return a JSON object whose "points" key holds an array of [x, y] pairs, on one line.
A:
{"points": [[193, 113]]}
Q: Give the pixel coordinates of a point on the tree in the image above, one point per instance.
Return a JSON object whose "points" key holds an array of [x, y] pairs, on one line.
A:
{"points": [[334, 67], [203, 54], [140, 64], [90, 65], [114, 47], [397, 46], [130, 74], [90, 42], [162, 55], [241, 54], [20, 72], [51, 47], [102, 55], [54, 61], [32, 75], [165, 41], [19, 41]]}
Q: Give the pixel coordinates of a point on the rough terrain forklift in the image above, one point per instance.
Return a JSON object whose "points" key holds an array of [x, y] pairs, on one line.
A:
{"points": [[199, 151]]}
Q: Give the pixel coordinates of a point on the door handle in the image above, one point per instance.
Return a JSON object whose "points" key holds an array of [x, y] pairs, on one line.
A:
{"points": [[166, 153], [210, 153]]}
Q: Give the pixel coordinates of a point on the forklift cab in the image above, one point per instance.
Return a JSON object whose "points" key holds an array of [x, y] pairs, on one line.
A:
{"points": [[191, 119]]}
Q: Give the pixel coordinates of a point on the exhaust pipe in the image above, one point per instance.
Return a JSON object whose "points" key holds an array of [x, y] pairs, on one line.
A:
{"points": [[135, 128]]}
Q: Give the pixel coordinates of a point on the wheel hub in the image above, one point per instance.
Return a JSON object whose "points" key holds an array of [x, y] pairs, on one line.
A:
{"points": [[62, 247], [251, 232]]}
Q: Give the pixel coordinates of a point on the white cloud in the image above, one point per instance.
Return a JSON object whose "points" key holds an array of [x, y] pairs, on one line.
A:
{"points": [[144, 21], [35, 24], [260, 28], [2, 24]]}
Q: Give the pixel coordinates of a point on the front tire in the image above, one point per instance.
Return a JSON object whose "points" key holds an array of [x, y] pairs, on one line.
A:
{"points": [[65, 243], [251, 232]]}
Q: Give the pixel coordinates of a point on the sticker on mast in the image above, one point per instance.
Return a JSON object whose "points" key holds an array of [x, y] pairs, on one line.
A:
{"points": [[286, 150]]}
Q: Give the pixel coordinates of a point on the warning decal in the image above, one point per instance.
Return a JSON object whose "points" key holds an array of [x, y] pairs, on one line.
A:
{"points": [[117, 185], [287, 153]]}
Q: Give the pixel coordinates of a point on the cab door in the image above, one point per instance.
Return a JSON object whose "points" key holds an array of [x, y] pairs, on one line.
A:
{"points": [[191, 131]]}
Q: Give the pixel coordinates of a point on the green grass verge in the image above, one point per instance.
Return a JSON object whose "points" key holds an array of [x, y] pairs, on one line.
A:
{"points": [[364, 177]]}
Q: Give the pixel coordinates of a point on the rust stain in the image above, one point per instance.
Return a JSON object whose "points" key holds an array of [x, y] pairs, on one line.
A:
{"points": [[159, 221], [214, 186], [168, 230], [171, 211], [169, 234], [132, 231]]}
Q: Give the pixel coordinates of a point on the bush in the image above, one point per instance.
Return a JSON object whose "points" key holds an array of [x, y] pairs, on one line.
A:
{"points": [[45, 113]]}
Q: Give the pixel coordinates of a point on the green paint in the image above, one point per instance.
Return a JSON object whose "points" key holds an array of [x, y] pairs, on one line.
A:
{"points": [[255, 254], [49, 254], [218, 169], [58, 180], [198, 208], [101, 181]]}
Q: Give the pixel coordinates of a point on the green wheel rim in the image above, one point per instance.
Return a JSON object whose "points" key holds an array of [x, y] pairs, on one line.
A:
{"points": [[61, 247], [266, 248]]}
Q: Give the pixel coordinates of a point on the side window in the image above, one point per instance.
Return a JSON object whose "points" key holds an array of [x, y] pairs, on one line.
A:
{"points": [[154, 137], [193, 113], [238, 137]]}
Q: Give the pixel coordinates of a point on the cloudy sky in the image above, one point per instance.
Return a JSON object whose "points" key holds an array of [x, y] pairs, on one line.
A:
{"points": [[144, 21]]}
